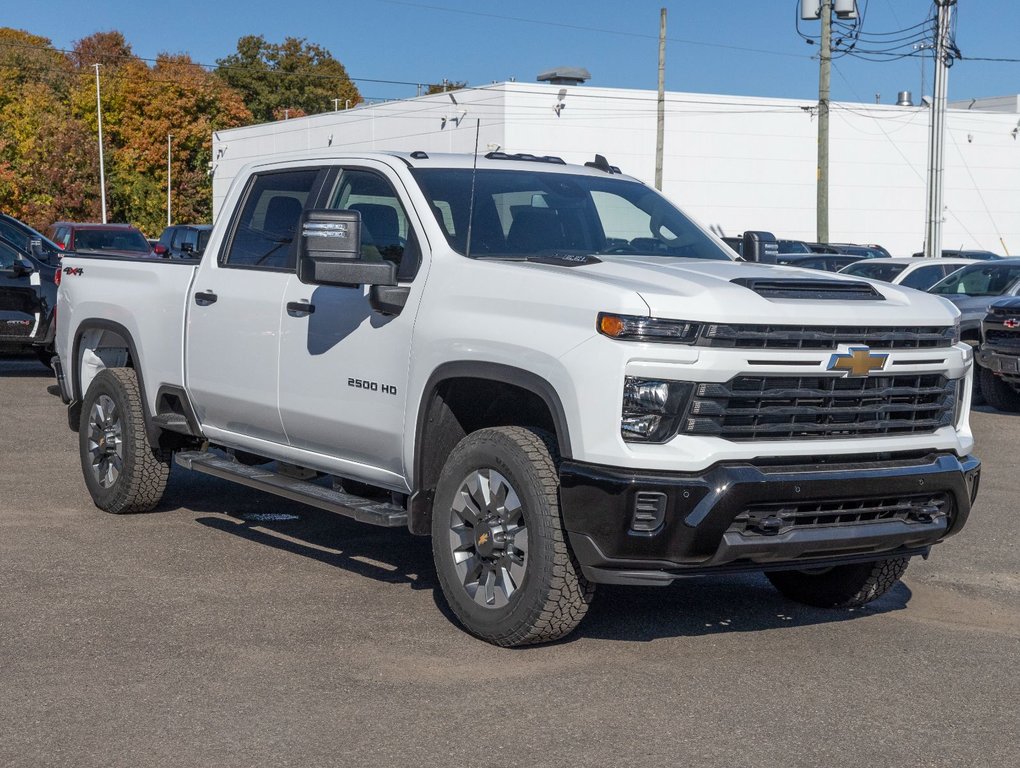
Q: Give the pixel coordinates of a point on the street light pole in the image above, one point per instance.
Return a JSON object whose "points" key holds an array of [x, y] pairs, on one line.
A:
{"points": [[168, 178], [102, 171]]}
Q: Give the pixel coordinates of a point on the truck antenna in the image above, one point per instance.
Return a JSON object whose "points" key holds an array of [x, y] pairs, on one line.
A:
{"points": [[471, 203]]}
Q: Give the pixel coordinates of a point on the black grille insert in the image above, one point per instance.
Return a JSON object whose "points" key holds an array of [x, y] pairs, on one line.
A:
{"points": [[748, 336], [808, 289], [788, 407], [777, 517]]}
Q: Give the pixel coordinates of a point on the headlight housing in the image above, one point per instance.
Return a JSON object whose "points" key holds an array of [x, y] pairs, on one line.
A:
{"points": [[633, 328], [653, 409]]}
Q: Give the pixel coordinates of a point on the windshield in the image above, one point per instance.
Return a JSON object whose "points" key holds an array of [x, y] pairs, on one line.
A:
{"points": [[533, 213], [979, 280], [884, 272], [110, 240]]}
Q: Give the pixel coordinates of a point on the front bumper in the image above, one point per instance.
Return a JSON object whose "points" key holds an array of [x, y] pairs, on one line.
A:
{"points": [[1007, 364], [705, 524]]}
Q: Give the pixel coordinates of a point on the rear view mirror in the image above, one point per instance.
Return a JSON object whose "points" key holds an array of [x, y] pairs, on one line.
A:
{"points": [[329, 251], [761, 247]]}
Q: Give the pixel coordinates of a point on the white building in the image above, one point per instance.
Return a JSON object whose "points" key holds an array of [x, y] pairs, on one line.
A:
{"points": [[732, 162]]}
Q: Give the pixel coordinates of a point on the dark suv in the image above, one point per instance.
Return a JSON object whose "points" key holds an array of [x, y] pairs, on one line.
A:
{"points": [[28, 298], [26, 239], [183, 241]]}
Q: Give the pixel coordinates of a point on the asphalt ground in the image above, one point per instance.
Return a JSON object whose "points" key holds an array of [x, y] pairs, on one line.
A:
{"points": [[192, 636]]}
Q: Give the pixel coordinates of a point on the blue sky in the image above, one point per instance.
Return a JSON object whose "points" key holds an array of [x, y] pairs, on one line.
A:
{"points": [[742, 47]]}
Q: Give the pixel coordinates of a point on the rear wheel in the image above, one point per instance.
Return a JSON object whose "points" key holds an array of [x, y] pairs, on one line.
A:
{"points": [[500, 550], [122, 471], [842, 586], [998, 393]]}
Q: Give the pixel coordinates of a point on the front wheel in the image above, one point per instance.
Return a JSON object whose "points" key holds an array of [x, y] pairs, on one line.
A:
{"points": [[122, 471], [842, 586], [500, 550], [998, 393]]}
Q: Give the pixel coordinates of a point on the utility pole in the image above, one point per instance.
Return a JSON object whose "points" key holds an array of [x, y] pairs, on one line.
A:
{"points": [[824, 72], [937, 140], [336, 105], [168, 137], [102, 171], [660, 124]]}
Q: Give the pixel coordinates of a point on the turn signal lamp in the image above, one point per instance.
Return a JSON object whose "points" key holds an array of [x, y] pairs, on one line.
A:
{"points": [[632, 328]]}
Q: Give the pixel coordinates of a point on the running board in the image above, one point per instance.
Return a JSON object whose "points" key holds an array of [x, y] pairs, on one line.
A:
{"points": [[359, 508]]}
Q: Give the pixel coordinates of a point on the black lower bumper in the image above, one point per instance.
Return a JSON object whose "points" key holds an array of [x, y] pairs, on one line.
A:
{"points": [[1004, 363], [744, 515]]}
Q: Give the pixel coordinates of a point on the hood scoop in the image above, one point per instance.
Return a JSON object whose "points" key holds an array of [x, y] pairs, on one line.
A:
{"points": [[810, 290]]}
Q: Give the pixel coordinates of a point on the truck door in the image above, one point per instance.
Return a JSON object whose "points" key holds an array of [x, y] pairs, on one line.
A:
{"points": [[19, 298], [235, 307], [344, 367]]}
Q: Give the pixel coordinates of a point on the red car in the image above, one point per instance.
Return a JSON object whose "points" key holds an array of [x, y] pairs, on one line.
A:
{"points": [[108, 239]]}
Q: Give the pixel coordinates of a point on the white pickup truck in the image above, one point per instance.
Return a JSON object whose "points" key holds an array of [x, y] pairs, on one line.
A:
{"points": [[548, 368]]}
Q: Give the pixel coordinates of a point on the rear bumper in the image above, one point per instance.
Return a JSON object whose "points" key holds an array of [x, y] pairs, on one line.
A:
{"points": [[714, 521]]}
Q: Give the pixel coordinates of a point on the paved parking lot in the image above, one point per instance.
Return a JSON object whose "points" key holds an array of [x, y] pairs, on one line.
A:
{"points": [[204, 635]]}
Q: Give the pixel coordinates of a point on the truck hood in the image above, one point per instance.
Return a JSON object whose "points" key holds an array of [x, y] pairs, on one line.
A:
{"points": [[972, 308], [699, 289]]}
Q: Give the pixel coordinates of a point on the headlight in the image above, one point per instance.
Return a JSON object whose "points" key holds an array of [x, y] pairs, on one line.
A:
{"points": [[632, 328], [653, 409]]}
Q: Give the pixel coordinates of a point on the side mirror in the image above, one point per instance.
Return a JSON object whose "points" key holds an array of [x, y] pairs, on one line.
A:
{"points": [[329, 251], [187, 247], [761, 247], [21, 269]]}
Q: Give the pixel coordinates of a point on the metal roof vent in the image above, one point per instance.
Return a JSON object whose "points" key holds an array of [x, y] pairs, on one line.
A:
{"points": [[565, 76], [904, 99]]}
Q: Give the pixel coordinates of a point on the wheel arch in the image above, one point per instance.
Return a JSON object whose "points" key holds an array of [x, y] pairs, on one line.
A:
{"points": [[453, 404], [113, 346]]}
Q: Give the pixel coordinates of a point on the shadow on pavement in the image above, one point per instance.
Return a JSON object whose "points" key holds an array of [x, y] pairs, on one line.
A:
{"points": [[23, 367], [687, 608]]}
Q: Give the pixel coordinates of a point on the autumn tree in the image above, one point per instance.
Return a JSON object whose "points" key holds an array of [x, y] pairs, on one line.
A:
{"points": [[446, 85], [295, 75]]}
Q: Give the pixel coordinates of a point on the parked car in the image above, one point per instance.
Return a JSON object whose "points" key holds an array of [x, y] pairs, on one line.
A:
{"points": [[28, 240], [821, 248], [967, 254], [182, 241], [920, 274], [973, 288], [828, 262], [28, 297], [794, 246], [998, 358], [540, 408], [863, 251], [107, 239]]}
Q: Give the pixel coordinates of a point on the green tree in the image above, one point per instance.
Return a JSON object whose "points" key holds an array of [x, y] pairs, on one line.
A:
{"points": [[295, 75]]}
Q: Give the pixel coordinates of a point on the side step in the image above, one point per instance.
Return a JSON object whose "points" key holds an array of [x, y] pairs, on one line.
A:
{"points": [[361, 509]]}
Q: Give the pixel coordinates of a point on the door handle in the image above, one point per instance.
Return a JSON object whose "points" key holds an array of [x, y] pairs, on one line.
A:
{"points": [[299, 308], [205, 298]]}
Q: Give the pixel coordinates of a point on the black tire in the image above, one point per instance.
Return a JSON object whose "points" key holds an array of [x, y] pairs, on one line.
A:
{"points": [[998, 393], [133, 478], [843, 586], [548, 595]]}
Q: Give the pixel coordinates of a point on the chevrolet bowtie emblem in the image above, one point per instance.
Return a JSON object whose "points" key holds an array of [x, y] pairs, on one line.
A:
{"points": [[857, 361], [1011, 322], [483, 538]]}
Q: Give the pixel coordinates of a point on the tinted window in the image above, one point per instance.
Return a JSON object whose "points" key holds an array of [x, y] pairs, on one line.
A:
{"points": [[979, 280], [884, 272], [7, 256], [10, 232], [178, 237], [110, 240], [385, 230], [264, 230], [527, 212], [924, 278], [203, 240]]}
